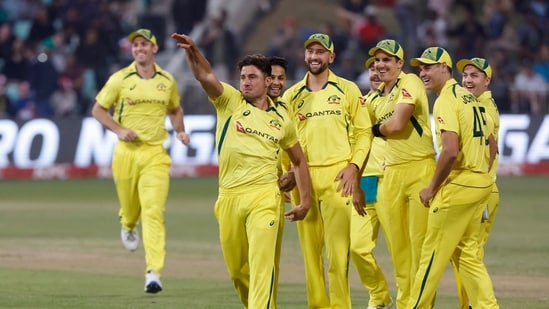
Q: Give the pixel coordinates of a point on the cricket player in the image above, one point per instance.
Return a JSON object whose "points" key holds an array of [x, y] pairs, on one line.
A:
{"points": [[456, 195], [402, 119], [327, 112], [477, 74], [279, 67], [141, 95], [364, 221], [250, 132]]}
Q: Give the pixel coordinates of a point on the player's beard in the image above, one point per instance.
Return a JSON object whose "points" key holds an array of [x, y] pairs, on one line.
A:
{"points": [[323, 67]]}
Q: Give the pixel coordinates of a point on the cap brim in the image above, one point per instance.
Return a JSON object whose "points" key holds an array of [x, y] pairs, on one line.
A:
{"points": [[465, 62], [415, 62], [373, 50], [133, 35]]}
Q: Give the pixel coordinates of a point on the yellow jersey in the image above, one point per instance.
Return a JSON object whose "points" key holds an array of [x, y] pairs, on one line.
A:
{"points": [[376, 158], [249, 139], [457, 110], [141, 104], [326, 120], [415, 142], [491, 109]]}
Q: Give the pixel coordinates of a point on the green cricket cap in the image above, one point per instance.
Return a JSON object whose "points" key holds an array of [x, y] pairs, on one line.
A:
{"points": [[433, 55], [145, 33], [369, 62], [479, 63], [388, 46], [322, 39]]}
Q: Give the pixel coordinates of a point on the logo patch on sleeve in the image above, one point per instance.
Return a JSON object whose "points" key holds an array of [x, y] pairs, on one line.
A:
{"points": [[440, 120], [240, 128], [405, 93]]}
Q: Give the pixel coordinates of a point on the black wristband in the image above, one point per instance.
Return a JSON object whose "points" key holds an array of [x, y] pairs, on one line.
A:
{"points": [[376, 130]]}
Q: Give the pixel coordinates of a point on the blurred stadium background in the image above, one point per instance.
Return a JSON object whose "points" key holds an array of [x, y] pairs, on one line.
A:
{"points": [[56, 54]]}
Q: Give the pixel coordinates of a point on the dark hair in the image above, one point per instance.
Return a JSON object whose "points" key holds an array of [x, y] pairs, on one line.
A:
{"points": [[259, 61], [279, 61]]}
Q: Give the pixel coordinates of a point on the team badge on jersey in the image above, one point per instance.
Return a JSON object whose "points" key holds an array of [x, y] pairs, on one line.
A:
{"points": [[334, 99], [161, 87], [405, 93], [275, 124]]}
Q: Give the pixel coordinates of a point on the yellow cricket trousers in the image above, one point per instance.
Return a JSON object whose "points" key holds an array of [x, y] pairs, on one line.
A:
{"points": [[452, 233], [278, 251], [248, 221], [364, 233], [141, 175], [326, 228], [403, 219], [485, 228]]}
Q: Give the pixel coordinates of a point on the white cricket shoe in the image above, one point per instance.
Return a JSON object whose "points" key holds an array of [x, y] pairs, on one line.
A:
{"points": [[130, 239], [152, 282]]}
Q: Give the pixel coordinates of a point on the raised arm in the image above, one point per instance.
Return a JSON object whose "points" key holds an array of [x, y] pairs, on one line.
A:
{"points": [[201, 68]]}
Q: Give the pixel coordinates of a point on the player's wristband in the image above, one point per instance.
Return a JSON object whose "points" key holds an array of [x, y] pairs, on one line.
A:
{"points": [[376, 130]]}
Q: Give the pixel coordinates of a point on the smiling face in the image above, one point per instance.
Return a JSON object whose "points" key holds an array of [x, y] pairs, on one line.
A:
{"points": [[475, 80], [278, 81], [317, 58], [373, 76], [143, 50], [388, 66], [253, 83], [434, 76]]}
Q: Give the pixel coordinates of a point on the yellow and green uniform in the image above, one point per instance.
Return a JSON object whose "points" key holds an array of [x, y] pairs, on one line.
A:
{"points": [[248, 141], [455, 212], [365, 229], [325, 120], [489, 108], [141, 168], [283, 166], [409, 166]]}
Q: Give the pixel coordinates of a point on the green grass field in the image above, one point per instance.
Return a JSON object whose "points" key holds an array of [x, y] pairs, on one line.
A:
{"points": [[60, 248]]}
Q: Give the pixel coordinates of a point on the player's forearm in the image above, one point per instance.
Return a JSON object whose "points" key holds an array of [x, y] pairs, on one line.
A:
{"points": [[444, 167], [493, 150], [176, 118], [361, 147], [391, 127], [102, 115], [398, 120], [199, 65], [203, 72], [303, 182], [301, 173]]}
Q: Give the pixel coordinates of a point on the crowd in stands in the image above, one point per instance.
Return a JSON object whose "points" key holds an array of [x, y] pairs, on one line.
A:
{"points": [[55, 54], [512, 35]]}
